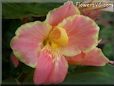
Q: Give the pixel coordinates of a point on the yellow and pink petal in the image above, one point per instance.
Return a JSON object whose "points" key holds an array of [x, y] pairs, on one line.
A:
{"points": [[94, 57], [82, 32], [50, 69], [55, 16], [29, 40]]}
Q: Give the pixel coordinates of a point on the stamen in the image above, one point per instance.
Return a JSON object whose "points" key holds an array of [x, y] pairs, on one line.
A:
{"points": [[59, 36]]}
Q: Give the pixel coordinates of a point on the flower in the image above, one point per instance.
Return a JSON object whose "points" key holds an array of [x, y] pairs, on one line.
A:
{"points": [[64, 37]]}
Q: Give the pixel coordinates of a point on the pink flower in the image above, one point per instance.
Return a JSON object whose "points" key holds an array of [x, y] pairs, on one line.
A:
{"points": [[64, 37]]}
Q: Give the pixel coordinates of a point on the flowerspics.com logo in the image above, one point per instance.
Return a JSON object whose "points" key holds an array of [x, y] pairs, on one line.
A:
{"points": [[109, 5]]}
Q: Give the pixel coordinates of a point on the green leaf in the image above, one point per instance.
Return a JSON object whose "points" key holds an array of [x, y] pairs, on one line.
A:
{"points": [[39, 1], [107, 49], [106, 33], [76, 76], [20, 10], [10, 81], [91, 75]]}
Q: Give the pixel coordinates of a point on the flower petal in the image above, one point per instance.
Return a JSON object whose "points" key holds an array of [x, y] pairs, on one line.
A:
{"points": [[93, 58], [68, 9], [59, 71], [82, 32], [43, 68], [50, 69], [28, 41], [14, 60]]}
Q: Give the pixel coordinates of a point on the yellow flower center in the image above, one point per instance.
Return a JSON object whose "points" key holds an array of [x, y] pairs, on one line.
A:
{"points": [[57, 38]]}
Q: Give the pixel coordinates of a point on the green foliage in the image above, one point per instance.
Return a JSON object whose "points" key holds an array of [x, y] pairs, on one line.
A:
{"points": [[107, 49], [90, 75], [107, 36], [106, 32], [20, 10], [76, 75]]}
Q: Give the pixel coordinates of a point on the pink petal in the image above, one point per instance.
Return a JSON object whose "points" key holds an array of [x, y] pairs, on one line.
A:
{"points": [[14, 60], [50, 70], [57, 15], [59, 71], [82, 32], [28, 41], [93, 58], [43, 68]]}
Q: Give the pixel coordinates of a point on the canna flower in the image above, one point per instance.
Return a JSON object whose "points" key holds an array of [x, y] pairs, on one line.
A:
{"points": [[64, 37]]}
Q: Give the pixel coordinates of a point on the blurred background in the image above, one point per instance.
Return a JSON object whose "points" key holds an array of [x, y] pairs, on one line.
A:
{"points": [[16, 14]]}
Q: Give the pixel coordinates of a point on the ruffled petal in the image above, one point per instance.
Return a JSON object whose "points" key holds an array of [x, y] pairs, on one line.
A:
{"points": [[57, 15], [50, 69], [29, 40], [82, 32], [93, 58]]}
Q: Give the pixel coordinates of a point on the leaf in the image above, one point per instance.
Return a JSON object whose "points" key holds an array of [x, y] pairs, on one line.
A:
{"points": [[10, 81], [106, 33], [91, 75], [107, 49], [20, 10], [83, 75], [77, 76]]}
